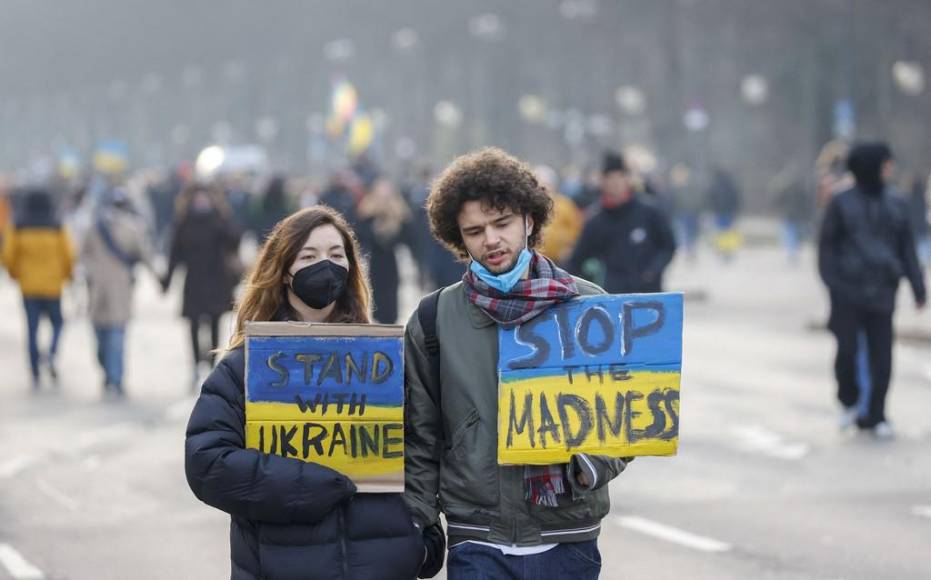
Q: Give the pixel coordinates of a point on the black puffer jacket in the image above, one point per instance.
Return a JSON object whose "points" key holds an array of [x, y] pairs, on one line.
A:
{"points": [[290, 519], [866, 247]]}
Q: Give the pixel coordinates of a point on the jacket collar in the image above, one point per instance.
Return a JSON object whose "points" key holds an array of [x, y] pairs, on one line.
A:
{"points": [[477, 316]]}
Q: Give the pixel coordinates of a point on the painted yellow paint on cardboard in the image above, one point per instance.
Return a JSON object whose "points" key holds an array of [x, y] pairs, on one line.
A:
{"points": [[547, 419]]}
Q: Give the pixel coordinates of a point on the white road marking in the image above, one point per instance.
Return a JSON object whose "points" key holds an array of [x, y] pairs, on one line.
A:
{"points": [[671, 534], [17, 566], [56, 495], [14, 466], [759, 439], [86, 441], [80, 445], [923, 511]]}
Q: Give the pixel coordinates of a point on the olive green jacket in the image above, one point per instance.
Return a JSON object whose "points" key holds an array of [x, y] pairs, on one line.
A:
{"points": [[458, 473]]}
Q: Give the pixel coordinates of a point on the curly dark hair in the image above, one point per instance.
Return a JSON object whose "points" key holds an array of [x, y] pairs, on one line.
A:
{"points": [[493, 177]]}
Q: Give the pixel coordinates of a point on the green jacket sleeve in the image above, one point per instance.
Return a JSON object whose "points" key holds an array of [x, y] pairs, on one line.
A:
{"points": [[598, 470], [423, 426]]}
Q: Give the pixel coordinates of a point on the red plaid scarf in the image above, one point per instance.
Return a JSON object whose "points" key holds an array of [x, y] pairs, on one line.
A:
{"points": [[547, 285], [544, 483]]}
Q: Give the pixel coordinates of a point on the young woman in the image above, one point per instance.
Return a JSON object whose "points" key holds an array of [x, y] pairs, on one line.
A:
{"points": [[292, 519], [383, 216]]}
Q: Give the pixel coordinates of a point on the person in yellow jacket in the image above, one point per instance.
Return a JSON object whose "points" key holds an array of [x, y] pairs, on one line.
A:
{"points": [[561, 234], [39, 254], [6, 211]]}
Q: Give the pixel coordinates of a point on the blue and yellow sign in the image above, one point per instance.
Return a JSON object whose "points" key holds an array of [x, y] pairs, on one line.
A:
{"points": [[598, 375], [331, 394]]}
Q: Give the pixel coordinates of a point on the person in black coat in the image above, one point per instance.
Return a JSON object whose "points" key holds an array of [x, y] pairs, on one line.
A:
{"points": [[384, 224], [293, 519], [628, 244], [206, 242], [865, 248]]}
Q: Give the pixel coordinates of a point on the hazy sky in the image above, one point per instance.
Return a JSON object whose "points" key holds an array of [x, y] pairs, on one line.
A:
{"points": [[47, 44]]}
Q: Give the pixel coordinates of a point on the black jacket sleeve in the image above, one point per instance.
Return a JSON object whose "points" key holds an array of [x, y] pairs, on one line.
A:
{"points": [[909, 257], [665, 246], [585, 248], [828, 239], [175, 254], [244, 482]]}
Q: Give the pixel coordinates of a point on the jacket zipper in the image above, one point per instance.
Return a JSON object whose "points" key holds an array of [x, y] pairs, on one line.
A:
{"points": [[344, 551]]}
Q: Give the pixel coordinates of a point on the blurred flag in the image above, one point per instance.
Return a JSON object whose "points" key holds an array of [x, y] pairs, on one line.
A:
{"points": [[361, 134], [344, 100], [111, 157], [347, 121]]}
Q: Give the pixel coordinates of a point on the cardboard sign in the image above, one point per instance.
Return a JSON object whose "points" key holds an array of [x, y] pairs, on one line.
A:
{"points": [[597, 375], [331, 394]]}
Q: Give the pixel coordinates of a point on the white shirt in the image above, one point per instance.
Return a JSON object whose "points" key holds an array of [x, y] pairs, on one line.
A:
{"points": [[515, 550]]}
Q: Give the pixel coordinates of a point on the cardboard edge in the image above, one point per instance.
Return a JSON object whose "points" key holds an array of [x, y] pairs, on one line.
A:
{"points": [[567, 457], [391, 483], [255, 329]]}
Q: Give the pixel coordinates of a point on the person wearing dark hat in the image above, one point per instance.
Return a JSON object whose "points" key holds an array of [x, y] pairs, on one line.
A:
{"points": [[865, 248], [627, 245]]}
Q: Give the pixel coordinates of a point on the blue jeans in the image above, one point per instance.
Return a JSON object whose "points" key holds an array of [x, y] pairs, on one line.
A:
{"points": [[35, 308], [923, 248], [575, 561], [688, 231], [110, 341], [724, 221], [792, 238], [864, 382]]}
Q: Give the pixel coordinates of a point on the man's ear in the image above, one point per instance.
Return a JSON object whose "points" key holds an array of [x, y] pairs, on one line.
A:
{"points": [[530, 225]]}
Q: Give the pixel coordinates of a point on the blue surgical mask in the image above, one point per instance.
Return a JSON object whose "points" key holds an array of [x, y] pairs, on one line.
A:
{"points": [[504, 282]]}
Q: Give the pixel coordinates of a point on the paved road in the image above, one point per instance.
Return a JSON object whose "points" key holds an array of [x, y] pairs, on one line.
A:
{"points": [[764, 485]]}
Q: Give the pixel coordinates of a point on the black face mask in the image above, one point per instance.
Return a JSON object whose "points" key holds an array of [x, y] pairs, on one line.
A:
{"points": [[320, 284]]}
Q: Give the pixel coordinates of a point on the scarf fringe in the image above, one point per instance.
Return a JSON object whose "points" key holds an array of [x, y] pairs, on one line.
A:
{"points": [[543, 484]]}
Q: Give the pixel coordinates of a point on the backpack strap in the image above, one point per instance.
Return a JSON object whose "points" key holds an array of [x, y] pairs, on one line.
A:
{"points": [[119, 253], [434, 536], [426, 315]]}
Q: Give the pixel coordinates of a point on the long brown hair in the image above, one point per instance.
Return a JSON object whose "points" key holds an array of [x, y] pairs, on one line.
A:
{"points": [[266, 295]]}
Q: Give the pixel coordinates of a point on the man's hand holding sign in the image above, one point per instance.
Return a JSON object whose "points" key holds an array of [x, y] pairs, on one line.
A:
{"points": [[597, 375]]}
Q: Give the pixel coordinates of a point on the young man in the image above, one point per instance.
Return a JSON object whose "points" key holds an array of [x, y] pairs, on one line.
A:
{"points": [[864, 250], [632, 239], [503, 521]]}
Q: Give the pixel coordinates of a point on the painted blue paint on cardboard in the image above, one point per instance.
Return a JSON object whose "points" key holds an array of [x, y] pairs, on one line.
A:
{"points": [[636, 331], [281, 367]]}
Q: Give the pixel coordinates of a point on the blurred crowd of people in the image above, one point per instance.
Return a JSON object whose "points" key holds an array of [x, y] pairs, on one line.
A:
{"points": [[618, 224]]}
